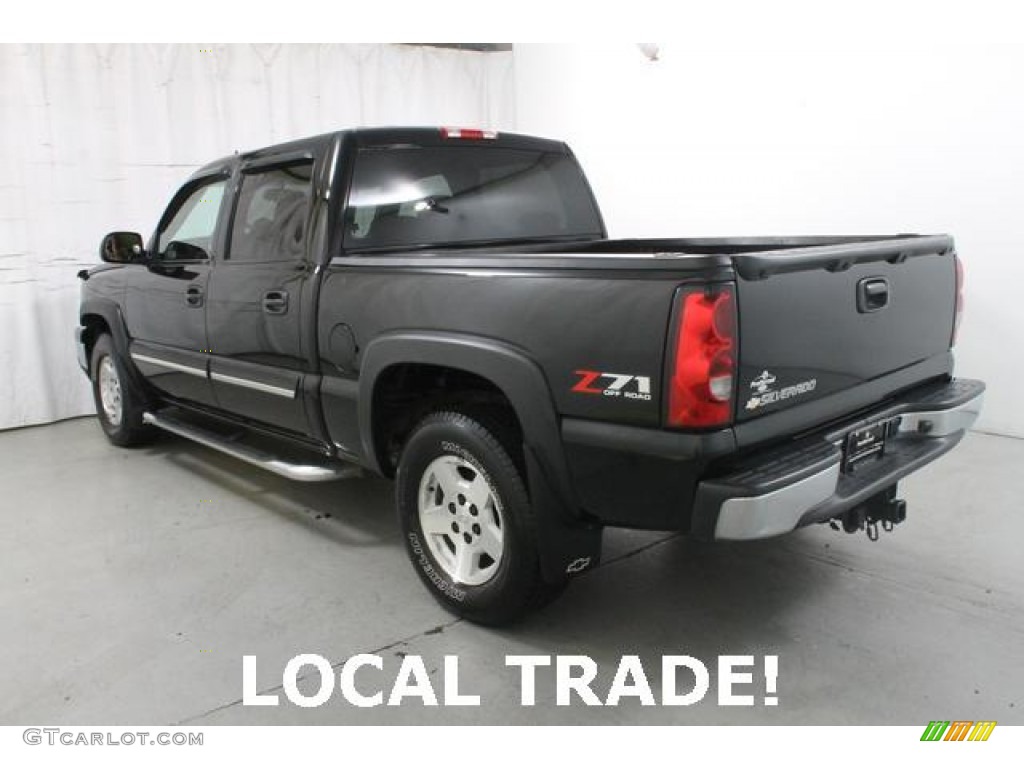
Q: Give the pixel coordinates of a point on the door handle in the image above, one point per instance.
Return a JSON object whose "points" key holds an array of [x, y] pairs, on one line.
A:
{"points": [[872, 294], [275, 302], [194, 296]]}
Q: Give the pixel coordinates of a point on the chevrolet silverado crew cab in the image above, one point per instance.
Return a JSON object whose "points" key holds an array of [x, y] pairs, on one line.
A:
{"points": [[444, 307]]}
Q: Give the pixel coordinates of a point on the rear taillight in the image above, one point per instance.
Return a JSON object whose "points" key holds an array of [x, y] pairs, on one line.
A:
{"points": [[959, 298], [700, 391]]}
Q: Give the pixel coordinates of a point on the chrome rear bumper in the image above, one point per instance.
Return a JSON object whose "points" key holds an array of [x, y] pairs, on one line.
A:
{"points": [[780, 490]]}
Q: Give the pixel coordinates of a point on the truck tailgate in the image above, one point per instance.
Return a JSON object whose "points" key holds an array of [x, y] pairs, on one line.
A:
{"points": [[817, 321]]}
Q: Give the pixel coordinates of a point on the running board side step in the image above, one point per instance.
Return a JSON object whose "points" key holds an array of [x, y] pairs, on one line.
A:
{"points": [[303, 472]]}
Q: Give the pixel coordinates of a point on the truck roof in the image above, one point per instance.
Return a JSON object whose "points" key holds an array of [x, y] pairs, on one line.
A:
{"points": [[435, 136], [419, 136]]}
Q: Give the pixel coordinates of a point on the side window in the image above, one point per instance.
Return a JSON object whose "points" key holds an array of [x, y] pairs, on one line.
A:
{"points": [[193, 222], [272, 214]]}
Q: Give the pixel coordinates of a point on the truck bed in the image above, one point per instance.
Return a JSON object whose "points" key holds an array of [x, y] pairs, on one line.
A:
{"points": [[800, 324]]}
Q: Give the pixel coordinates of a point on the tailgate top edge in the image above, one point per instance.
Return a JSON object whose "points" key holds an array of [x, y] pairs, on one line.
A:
{"points": [[759, 265]]}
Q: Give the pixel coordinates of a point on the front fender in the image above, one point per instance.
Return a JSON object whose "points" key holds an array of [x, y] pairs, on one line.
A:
{"points": [[110, 312]]}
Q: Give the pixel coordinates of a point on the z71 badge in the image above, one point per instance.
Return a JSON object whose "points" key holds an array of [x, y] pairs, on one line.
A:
{"points": [[623, 385]]}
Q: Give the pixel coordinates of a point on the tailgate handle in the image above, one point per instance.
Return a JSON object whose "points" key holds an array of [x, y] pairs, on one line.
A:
{"points": [[872, 294]]}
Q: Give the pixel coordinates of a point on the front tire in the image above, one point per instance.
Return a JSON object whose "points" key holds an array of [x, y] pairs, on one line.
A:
{"points": [[118, 407], [467, 521]]}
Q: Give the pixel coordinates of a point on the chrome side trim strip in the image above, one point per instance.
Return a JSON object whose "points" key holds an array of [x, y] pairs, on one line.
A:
{"points": [[757, 517], [259, 386], [160, 362]]}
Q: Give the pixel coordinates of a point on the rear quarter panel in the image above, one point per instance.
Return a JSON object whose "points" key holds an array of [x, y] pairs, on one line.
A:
{"points": [[566, 319]]}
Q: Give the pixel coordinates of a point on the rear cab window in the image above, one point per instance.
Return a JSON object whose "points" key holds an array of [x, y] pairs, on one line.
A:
{"points": [[422, 196]]}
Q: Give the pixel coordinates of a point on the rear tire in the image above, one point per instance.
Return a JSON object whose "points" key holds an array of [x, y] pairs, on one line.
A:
{"points": [[467, 521], [118, 406]]}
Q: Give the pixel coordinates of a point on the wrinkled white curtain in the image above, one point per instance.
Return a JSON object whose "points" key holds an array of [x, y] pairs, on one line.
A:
{"points": [[95, 138]]}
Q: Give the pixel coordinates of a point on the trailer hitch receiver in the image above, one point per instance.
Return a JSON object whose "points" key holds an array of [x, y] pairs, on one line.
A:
{"points": [[881, 509]]}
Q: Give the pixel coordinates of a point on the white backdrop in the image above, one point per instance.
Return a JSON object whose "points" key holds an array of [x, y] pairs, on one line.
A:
{"points": [[95, 138], [793, 133], [780, 136]]}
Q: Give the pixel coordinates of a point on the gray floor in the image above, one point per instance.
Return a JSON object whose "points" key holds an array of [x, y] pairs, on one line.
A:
{"points": [[132, 583]]}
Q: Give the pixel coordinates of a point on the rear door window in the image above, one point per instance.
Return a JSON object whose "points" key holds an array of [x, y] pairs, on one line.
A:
{"points": [[272, 214]]}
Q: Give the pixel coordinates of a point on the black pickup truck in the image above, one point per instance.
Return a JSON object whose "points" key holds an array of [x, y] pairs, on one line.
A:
{"points": [[444, 307]]}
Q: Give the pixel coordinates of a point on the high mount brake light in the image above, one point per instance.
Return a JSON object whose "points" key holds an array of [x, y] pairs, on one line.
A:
{"points": [[701, 385], [958, 316], [467, 133]]}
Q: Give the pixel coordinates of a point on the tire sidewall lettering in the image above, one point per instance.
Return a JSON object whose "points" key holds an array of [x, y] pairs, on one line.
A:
{"points": [[439, 580]]}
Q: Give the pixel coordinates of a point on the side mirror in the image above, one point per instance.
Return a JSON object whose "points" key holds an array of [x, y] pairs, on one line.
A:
{"points": [[122, 247]]}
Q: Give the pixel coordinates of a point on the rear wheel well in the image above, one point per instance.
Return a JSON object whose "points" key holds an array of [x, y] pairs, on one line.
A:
{"points": [[406, 393]]}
